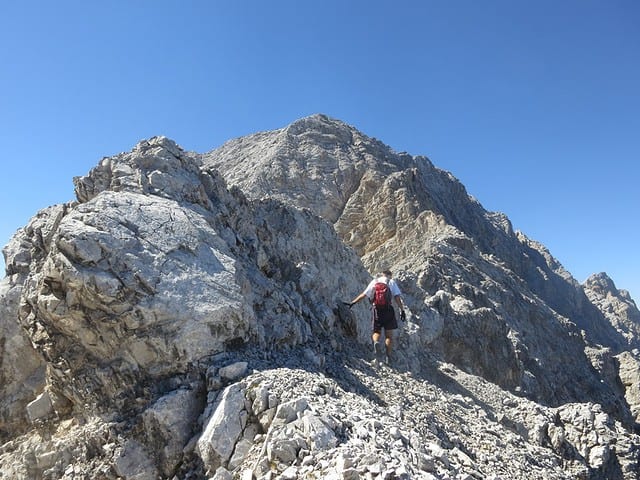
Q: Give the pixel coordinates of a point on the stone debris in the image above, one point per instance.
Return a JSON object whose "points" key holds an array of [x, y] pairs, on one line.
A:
{"points": [[390, 433]]}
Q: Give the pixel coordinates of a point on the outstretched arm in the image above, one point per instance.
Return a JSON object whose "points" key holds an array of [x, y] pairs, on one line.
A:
{"points": [[357, 299]]}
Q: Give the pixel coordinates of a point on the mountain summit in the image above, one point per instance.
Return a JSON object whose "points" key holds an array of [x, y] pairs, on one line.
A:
{"points": [[184, 318]]}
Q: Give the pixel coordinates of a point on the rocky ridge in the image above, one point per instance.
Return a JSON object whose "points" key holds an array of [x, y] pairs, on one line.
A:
{"points": [[486, 280], [172, 323]]}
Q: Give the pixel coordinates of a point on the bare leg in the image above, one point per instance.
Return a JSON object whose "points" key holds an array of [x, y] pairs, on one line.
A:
{"points": [[377, 346], [388, 342], [388, 339]]}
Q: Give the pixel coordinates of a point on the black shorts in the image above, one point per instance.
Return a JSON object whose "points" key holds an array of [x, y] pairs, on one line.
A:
{"points": [[384, 318]]}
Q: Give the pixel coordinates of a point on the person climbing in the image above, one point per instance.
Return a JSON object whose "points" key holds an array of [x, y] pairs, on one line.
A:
{"points": [[381, 291]]}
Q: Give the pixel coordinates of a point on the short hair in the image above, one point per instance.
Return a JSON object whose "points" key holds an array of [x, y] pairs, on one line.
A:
{"points": [[387, 272]]}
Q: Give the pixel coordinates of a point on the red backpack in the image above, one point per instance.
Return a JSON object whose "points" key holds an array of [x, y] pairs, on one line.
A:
{"points": [[381, 295]]}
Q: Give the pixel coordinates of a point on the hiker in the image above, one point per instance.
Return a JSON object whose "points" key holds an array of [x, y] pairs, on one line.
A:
{"points": [[380, 292]]}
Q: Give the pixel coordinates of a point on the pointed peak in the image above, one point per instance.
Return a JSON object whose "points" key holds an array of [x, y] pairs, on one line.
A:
{"points": [[319, 122], [317, 119], [159, 141], [601, 282]]}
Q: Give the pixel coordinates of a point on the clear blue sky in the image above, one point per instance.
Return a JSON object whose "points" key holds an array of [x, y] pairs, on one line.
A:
{"points": [[534, 106]]}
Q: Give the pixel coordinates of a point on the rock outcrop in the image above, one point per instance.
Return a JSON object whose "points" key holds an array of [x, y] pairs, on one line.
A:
{"points": [[617, 306], [184, 318]]}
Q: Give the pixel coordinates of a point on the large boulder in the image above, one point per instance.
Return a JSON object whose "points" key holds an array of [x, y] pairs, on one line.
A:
{"points": [[133, 287]]}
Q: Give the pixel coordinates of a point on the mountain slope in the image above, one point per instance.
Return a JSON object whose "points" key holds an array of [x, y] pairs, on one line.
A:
{"points": [[401, 211], [170, 326], [373, 195]]}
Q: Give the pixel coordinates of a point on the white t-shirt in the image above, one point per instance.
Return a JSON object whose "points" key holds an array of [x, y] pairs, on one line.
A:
{"points": [[393, 286]]}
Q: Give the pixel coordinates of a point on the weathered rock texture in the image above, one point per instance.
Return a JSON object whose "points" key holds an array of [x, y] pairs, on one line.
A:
{"points": [[503, 298], [617, 306], [184, 319]]}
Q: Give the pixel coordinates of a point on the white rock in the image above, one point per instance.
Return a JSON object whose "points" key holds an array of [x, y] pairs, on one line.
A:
{"points": [[289, 411], [223, 429], [599, 456], [318, 435], [234, 371], [291, 473], [242, 449], [171, 419], [222, 474], [41, 407], [134, 463]]}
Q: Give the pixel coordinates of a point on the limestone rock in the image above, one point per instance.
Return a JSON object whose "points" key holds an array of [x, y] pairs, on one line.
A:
{"points": [[234, 371], [173, 323], [23, 368], [616, 305], [127, 287], [169, 425], [40, 408], [629, 375], [223, 429], [134, 463]]}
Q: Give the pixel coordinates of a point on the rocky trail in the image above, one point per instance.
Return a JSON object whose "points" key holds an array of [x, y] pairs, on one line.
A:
{"points": [[379, 421]]}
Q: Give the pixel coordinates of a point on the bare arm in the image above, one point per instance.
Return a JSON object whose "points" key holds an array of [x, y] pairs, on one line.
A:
{"points": [[358, 298], [399, 302]]}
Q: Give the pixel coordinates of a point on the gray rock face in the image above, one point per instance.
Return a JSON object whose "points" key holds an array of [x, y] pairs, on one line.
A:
{"points": [[506, 300], [617, 305], [628, 371], [223, 430], [169, 326], [161, 266], [22, 372]]}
